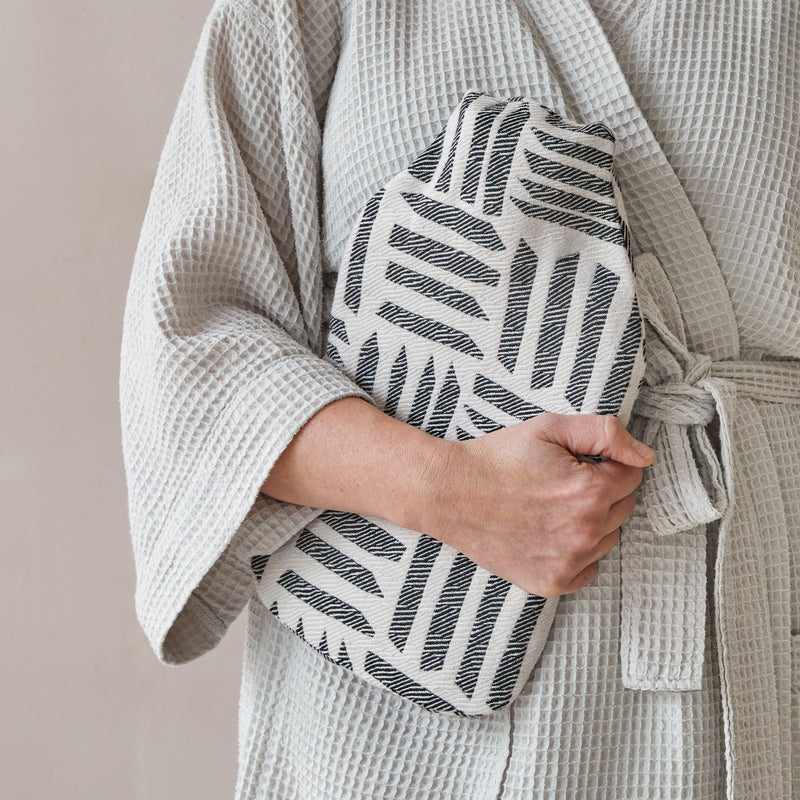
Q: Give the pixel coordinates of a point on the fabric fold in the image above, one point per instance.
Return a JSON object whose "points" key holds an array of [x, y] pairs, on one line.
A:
{"points": [[220, 359]]}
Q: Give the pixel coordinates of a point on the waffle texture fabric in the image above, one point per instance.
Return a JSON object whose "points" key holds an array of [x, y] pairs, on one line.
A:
{"points": [[293, 114]]}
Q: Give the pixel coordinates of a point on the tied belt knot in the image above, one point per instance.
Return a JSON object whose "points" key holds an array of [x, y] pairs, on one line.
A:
{"points": [[680, 402], [690, 484]]}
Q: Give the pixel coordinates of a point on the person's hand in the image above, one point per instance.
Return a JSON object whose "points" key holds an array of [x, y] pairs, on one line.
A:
{"points": [[522, 506]]}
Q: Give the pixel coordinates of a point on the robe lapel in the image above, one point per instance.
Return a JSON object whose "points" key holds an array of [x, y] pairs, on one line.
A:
{"points": [[662, 218]]}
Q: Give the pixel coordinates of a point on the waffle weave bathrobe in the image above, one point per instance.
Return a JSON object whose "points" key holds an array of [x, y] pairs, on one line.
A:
{"points": [[676, 674]]}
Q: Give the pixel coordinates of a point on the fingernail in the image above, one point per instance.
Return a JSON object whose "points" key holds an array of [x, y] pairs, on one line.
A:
{"points": [[643, 450]]}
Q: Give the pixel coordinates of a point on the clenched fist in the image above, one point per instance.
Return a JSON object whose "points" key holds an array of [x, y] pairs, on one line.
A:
{"points": [[520, 503]]}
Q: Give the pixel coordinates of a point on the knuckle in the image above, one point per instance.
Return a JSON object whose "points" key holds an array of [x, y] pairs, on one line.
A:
{"points": [[591, 572], [612, 426], [549, 588], [627, 505], [552, 427], [584, 538], [586, 576], [567, 567], [544, 421], [591, 489], [609, 543]]}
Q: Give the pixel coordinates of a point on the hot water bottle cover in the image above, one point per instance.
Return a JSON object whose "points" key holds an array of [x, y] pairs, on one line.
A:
{"points": [[488, 282]]}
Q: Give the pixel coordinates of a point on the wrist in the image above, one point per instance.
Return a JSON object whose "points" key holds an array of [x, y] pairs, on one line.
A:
{"points": [[427, 484]]}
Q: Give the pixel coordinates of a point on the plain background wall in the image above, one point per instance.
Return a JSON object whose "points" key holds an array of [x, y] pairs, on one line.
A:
{"points": [[88, 90]]}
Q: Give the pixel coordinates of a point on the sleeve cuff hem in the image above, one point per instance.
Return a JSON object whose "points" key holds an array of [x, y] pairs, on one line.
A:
{"points": [[254, 428]]}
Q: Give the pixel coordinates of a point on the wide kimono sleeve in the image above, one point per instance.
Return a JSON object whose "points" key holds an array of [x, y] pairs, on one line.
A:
{"points": [[223, 327]]}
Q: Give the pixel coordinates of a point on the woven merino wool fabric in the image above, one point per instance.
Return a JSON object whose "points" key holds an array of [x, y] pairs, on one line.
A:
{"points": [[488, 282], [676, 673]]}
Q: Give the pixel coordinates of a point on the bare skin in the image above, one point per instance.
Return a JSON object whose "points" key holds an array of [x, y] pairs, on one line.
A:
{"points": [[517, 501]]}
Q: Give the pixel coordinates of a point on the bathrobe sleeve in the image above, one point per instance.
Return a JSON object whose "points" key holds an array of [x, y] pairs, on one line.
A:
{"points": [[223, 326]]}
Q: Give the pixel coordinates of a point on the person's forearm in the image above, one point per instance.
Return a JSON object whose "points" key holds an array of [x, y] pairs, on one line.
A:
{"points": [[352, 457], [517, 501]]}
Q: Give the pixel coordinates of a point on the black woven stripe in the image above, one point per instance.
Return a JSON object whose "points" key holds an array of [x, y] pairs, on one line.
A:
{"points": [[511, 662], [325, 603], [601, 293], [367, 535], [571, 175], [442, 255], [333, 354], [258, 564], [343, 658], [401, 684], [337, 327], [397, 380], [445, 406], [578, 150], [443, 184], [503, 147], [368, 363], [478, 150], [323, 649], [551, 332], [358, 252], [417, 576], [445, 615], [422, 397], [436, 290], [455, 219], [429, 329], [481, 422], [567, 220], [523, 267], [573, 202], [617, 383], [424, 166], [523, 273], [592, 128], [626, 239], [337, 562], [462, 435], [502, 398], [494, 595]]}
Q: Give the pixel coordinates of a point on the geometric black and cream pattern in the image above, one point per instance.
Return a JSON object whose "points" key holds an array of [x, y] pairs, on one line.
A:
{"points": [[489, 281]]}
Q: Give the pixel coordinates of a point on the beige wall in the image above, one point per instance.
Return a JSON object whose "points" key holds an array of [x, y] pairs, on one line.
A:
{"points": [[87, 91]]}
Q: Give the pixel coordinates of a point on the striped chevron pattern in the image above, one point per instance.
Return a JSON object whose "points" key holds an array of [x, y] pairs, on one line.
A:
{"points": [[485, 284]]}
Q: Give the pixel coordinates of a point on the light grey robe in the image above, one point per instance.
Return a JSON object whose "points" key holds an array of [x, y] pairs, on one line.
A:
{"points": [[293, 114]]}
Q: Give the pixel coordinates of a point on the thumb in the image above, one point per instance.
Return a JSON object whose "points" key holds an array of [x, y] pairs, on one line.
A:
{"points": [[597, 435]]}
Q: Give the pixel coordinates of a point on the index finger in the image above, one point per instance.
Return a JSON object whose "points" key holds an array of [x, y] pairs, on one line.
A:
{"points": [[621, 479]]}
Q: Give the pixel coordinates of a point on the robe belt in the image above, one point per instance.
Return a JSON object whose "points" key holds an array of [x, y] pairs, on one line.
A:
{"points": [[690, 484]]}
